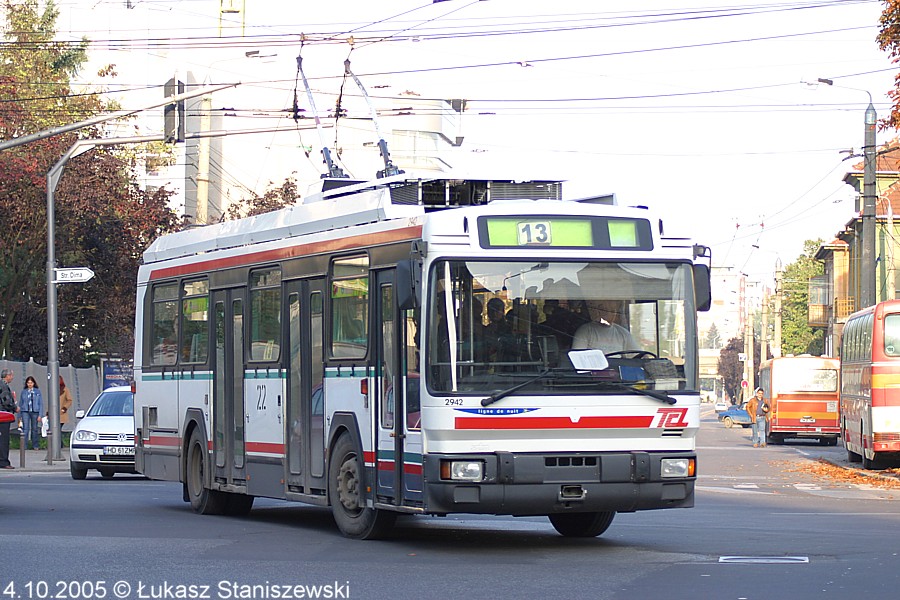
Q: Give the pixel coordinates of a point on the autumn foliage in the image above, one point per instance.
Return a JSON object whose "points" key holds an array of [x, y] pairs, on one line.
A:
{"points": [[103, 219]]}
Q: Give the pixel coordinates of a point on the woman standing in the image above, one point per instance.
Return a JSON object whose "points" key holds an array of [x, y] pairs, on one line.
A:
{"points": [[65, 403], [31, 407]]}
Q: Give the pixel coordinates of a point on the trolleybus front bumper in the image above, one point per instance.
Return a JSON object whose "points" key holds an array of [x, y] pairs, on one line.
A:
{"points": [[546, 483]]}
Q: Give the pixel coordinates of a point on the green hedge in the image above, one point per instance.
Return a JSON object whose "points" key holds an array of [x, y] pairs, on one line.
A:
{"points": [[14, 440]]}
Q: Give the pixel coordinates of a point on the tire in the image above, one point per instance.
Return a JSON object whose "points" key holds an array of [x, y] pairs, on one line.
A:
{"points": [[853, 456], [873, 464], [774, 439], [238, 505], [347, 505], [729, 422], [77, 472], [590, 524], [203, 500], [107, 474]]}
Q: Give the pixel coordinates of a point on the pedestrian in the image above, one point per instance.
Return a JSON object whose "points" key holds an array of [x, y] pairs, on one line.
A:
{"points": [[31, 407], [65, 404], [8, 404], [759, 410]]}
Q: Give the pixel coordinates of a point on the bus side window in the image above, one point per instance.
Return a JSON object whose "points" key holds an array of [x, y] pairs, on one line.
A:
{"points": [[195, 322], [265, 314], [164, 342], [350, 307]]}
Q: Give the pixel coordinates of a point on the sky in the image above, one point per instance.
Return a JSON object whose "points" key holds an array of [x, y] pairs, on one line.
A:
{"points": [[708, 112]]}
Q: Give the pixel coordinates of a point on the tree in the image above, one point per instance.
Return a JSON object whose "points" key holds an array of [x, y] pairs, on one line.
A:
{"points": [[712, 340], [889, 39], [275, 197], [731, 368], [797, 337], [103, 219]]}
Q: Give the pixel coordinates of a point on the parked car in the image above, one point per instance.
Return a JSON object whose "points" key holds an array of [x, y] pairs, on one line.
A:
{"points": [[103, 439], [721, 406], [735, 415]]}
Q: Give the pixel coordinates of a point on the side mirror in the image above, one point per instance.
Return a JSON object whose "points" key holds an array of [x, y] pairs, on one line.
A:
{"points": [[79, 414], [702, 287], [409, 283]]}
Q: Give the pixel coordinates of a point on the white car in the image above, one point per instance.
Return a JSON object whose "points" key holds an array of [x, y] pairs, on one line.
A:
{"points": [[720, 406], [103, 439]]}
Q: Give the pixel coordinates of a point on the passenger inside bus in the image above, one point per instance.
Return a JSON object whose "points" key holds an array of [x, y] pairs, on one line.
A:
{"points": [[603, 331]]}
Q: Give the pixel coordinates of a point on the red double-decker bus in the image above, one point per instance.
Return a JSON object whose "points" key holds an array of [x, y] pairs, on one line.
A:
{"points": [[804, 395], [870, 385]]}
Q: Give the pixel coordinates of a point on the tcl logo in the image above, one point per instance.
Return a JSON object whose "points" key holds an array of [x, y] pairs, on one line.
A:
{"points": [[672, 417]]}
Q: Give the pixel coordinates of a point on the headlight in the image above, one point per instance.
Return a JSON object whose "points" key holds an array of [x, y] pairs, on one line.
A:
{"points": [[678, 467], [462, 470], [83, 435]]}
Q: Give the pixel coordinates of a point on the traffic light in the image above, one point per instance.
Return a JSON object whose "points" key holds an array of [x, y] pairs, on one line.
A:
{"points": [[173, 114]]}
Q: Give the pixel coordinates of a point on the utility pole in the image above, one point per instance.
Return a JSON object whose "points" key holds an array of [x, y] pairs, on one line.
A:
{"points": [[779, 291], [764, 330], [203, 162], [748, 350], [869, 289]]}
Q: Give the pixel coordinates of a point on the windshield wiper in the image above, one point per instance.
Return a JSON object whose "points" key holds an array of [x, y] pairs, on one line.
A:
{"points": [[504, 393], [661, 396], [630, 387]]}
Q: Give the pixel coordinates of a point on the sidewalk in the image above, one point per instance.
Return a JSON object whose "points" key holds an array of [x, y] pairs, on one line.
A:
{"points": [[31, 461]]}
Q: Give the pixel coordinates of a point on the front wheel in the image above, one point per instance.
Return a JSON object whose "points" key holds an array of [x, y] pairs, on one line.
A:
{"points": [[203, 500], [590, 524], [77, 472], [347, 504]]}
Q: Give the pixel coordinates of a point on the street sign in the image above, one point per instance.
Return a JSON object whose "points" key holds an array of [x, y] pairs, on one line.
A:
{"points": [[73, 275]]}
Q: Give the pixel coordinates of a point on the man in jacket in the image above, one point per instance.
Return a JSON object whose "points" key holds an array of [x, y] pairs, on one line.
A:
{"points": [[759, 410]]}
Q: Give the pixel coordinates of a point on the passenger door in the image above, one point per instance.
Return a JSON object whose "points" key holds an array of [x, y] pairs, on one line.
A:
{"points": [[398, 443], [305, 414], [229, 415]]}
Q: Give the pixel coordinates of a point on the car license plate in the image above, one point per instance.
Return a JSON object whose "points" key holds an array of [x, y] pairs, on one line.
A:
{"points": [[119, 450], [807, 420]]}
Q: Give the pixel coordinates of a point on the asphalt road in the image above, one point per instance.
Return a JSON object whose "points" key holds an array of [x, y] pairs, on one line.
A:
{"points": [[795, 533]]}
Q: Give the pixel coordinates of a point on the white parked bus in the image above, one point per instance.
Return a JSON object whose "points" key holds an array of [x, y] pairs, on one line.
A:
{"points": [[402, 346]]}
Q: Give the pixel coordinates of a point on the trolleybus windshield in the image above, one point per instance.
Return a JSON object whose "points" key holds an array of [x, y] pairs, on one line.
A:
{"points": [[494, 324]]}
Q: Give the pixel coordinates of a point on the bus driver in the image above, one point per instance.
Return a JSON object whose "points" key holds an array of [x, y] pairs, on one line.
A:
{"points": [[602, 332]]}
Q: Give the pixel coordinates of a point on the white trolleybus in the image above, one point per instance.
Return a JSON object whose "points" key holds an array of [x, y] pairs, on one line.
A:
{"points": [[424, 347]]}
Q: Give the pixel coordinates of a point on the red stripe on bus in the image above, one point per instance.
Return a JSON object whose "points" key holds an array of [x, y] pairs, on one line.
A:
{"points": [[356, 241], [552, 422], [409, 468], [163, 440], [264, 447]]}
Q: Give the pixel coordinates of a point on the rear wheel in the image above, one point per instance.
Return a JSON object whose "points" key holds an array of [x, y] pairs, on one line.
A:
{"points": [[77, 472], [873, 463], [347, 504], [589, 524], [729, 422], [203, 500]]}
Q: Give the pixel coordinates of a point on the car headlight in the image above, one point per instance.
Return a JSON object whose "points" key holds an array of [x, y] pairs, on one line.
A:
{"points": [[83, 435], [462, 470], [678, 467]]}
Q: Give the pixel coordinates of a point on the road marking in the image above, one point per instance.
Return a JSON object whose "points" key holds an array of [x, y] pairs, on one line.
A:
{"points": [[730, 490], [766, 560]]}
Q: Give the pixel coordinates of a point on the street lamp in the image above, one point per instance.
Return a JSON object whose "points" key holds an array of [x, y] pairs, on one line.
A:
{"points": [[867, 264]]}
